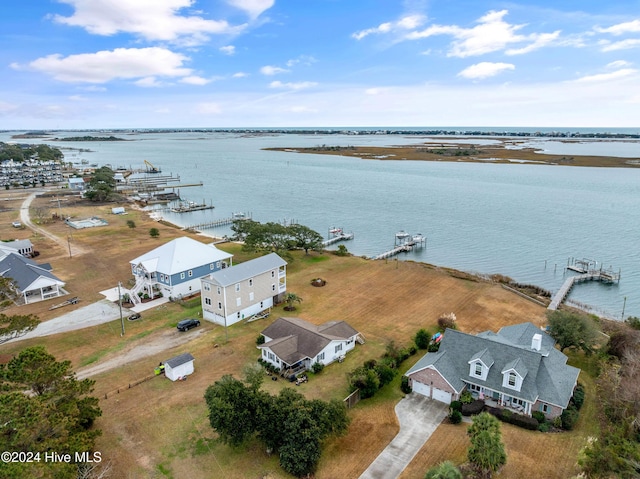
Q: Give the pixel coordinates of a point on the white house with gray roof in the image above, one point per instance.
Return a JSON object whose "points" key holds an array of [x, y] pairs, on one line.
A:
{"points": [[175, 268], [518, 368], [35, 282], [294, 345], [233, 294]]}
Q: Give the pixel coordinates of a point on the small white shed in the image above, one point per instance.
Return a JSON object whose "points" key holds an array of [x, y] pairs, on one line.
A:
{"points": [[178, 367], [118, 210]]}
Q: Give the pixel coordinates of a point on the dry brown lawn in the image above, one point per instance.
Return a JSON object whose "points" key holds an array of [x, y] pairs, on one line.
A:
{"points": [[160, 428]]}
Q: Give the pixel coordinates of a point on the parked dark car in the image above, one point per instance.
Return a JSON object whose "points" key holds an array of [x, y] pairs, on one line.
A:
{"points": [[187, 324], [134, 316]]}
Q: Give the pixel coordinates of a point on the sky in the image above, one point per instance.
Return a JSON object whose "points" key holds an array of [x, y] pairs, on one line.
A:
{"points": [[85, 64]]}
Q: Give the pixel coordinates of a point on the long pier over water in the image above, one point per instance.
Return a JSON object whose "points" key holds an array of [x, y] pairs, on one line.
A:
{"points": [[587, 272]]}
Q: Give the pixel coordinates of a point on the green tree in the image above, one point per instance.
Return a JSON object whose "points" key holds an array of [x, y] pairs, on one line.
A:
{"points": [[12, 327], [444, 470], [291, 299], [305, 238], [572, 330], [341, 251], [102, 185], [44, 408], [486, 452], [422, 339], [131, 224], [233, 409], [154, 232], [364, 379]]}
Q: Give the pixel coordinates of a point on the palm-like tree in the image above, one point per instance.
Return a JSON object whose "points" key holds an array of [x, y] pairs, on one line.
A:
{"points": [[290, 299]]}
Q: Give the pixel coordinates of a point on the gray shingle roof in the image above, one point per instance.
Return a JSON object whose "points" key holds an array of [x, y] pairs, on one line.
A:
{"points": [[547, 377], [248, 269], [179, 360], [25, 271]]}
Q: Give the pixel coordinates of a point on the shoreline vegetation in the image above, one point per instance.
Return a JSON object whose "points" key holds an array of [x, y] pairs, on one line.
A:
{"points": [[508, 152]]}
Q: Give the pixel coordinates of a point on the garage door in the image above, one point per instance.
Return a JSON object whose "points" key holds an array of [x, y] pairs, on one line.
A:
{"points": [[442, 396], [421, 388]]}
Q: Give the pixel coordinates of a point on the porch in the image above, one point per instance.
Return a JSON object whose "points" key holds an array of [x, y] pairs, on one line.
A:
{"points": [[500, 400]]}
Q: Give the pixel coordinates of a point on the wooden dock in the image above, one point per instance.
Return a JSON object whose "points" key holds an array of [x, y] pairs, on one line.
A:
{"points": [[404, 248], [337, 238], [217, 223], [187, 207], [586, 273]]}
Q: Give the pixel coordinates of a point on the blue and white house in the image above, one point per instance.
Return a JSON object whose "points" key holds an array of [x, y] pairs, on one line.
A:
{"points": [[175, 268]]}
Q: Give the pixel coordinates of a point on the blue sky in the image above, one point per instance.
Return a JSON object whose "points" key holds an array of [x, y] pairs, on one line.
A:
{"points": [[276, 63]]}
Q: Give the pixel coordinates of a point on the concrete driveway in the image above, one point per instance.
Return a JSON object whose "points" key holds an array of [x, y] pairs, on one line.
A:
{"points": [[419, 416]]}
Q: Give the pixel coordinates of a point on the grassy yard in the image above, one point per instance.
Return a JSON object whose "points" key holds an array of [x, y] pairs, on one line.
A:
{"points": [[161, 429]]}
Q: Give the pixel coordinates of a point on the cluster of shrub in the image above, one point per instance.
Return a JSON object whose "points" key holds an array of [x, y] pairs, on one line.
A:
{"points": [[374, 374], [270, 368], [466, 406]]}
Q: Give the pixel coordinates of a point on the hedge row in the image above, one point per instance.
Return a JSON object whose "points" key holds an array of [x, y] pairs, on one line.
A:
{"points": [[520, 420]]}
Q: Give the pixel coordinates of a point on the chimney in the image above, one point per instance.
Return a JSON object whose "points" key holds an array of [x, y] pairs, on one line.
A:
{"points": [[536, 342]]}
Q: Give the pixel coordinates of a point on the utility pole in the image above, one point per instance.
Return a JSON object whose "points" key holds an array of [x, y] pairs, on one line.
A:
{"points": [[120, 304], [69, 244], [623, 306]]}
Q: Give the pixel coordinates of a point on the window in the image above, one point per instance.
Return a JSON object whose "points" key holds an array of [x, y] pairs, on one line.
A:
{"points": [[219, 291], [207, 287], [238, 315], [251, 296], [237, 287], [250, 281], [320, 357], [162, 277], [475, 387], [211, 266], [219, 305], [190, 273], [512, 379], [478, 370], [261, 304], [273, 274], [339, 347], [238, 301], [207, 301], [544, 408], [273, 287], [218, 265], [181, 275]]}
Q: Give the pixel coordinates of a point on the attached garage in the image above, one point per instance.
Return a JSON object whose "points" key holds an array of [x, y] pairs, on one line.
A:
{"points": [[431, 392]]}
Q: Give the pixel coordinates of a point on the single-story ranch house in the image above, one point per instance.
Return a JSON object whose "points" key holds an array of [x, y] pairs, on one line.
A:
{"points": [[294, 345], [175, 268], [35, 282], [518, 368], [229, 295]]}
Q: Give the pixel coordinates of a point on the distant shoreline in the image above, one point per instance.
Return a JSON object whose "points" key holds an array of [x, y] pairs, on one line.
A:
{"points": [[466, 153]]}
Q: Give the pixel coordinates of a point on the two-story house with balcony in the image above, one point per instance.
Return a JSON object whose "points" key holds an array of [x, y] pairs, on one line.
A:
{"points": [[233, 294], [175, 268]]}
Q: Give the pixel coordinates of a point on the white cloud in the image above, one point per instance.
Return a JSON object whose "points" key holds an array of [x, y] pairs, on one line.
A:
{"points": [[149, 82], [252, 7], [408, 22], [156, 20], [302, 109], [621, 28], [302, 60], [618, 64], [208, 108], [270, 70], [228, 50], [485, 70], [195, 80], [607, 46], [491, 34], [121, 63], [292, 86], [78, 98], [240, 75], [607, 77], [375, 90]]}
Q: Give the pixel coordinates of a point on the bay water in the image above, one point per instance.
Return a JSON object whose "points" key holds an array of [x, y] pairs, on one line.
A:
{"points": [[521, 220]]}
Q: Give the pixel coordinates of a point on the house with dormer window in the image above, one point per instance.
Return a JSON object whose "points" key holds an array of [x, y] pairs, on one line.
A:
{"points": [[518, 368]]}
